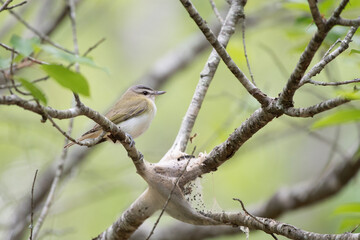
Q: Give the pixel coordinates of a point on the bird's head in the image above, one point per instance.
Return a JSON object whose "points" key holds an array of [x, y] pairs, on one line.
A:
{"points": [[144, 91]]}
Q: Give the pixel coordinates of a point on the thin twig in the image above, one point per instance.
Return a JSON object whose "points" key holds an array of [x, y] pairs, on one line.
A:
{"points": [[30, 58], [72, 16], [32, 206], [88, 143], [249, 214], [220, 49], [216, 12], [169, 197], [331, 48], [5, 4], [36, 32], [244, 44], [16, 5], [356, 80], [94, 46]]}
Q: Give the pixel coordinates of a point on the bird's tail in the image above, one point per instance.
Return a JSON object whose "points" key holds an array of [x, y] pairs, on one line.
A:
{"points": [[86, 136]]}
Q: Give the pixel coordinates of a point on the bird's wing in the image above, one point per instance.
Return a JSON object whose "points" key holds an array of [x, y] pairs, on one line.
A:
{"points": [[122, 112]]}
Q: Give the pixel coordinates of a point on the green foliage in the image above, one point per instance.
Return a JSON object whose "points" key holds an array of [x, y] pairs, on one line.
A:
{"points": [[354, 51], [24, 46], [299, 5], [339, 117], [34, 90], [70, 58], [353, 95], [348, 208], [68, 79], [351, 215]]}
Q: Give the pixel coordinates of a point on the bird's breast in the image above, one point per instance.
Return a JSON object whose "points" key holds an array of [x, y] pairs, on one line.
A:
{"points": [[138, 125]]}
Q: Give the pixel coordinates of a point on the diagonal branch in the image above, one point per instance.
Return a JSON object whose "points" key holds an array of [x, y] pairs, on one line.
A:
{"points": [[220, 49], [286, 96], [316, 14], [315, 109], [274, 227], [329, 57], [219, 154], [206, 76]]}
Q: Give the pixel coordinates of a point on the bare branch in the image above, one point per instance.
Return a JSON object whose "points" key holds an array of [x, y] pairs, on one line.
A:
{"points": [[316, 14], [356, 80], [13, 6], [210, 36], [88, 143], [226, 150], [348, 22], [5, 5], [286, 97], [316, 109], [216, 12], [168, 199], [329, 57], [243, 28], [274, 227], [32, 206], [339, 9], [206, 77]]}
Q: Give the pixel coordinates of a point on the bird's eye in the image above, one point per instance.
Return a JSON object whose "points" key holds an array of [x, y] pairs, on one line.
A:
{"points": [[145, 93]]}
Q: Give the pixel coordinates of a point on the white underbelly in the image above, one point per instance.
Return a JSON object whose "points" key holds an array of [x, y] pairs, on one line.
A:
{"points": [[137, 125]]}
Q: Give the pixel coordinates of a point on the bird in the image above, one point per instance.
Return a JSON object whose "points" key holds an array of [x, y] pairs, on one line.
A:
{"points": [[133, 113]]}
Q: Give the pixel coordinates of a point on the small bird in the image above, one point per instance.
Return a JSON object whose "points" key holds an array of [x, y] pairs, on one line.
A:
{"points": [[133, 113]]}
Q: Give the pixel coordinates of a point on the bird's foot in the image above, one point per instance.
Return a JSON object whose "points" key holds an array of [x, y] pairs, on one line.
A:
{"points": [[132, 142]]}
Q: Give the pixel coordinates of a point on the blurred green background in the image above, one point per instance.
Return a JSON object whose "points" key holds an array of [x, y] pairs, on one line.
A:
{"points": [[137, 34]]}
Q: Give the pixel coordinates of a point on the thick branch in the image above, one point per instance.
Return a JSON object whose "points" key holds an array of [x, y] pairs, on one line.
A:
{"points": [[206, 76]]}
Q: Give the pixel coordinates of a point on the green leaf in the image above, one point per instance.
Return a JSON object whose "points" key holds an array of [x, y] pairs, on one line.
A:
{"points": [[24, 46], [353, 95], [349, 223], [348, 208], [297, 5], [68, 79], [354, 51], [71, 58], [339, 117], [34, 90]]}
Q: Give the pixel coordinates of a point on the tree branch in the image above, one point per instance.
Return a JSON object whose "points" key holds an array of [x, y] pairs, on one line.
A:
{"points": [[316, 109], [274, 227], [206, 76], [329, 57], [210, 36], [316, 14], [286, 96]]}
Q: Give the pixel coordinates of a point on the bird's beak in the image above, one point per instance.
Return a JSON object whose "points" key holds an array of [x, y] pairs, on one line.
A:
{"points": [[159, 92]]}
